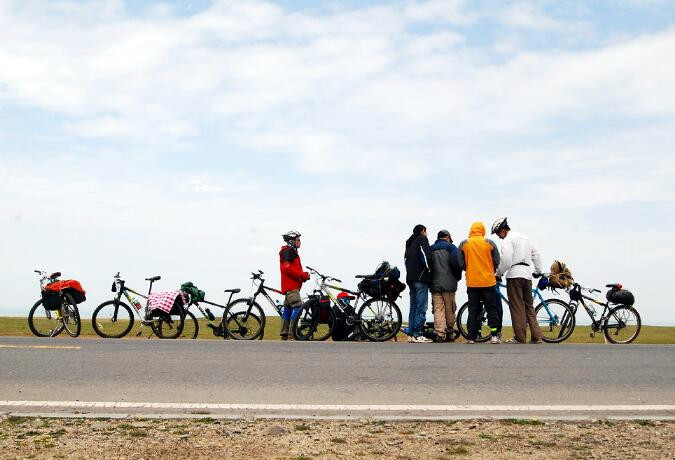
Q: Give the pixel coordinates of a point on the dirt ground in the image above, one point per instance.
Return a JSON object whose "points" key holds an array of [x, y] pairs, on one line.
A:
{"points": [[282, 439]]}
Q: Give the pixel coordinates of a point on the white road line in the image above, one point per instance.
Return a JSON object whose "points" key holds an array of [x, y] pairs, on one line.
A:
{"points": [[49, 347], [339, 407]]}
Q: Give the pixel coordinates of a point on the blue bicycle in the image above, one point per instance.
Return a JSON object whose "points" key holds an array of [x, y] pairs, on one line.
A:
{"points": [[549, 312]]}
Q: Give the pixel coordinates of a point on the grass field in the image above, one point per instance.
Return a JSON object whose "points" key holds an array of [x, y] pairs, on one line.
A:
{"points": [[17, 326]]}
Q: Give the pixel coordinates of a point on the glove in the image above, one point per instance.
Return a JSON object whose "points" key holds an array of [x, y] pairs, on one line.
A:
{"points": [[305, 276], [499, 279], [536, 275]]}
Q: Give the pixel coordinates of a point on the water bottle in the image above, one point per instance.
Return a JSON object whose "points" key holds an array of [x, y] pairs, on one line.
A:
{"points": [[210, 315], [137, 305]]}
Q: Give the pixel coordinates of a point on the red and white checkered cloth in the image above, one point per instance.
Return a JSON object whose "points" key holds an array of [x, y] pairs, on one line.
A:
{"points": [[164, 300]]}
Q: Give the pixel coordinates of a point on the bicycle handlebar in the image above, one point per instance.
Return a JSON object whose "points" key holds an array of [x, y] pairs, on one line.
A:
{"points": [[324, 278]]}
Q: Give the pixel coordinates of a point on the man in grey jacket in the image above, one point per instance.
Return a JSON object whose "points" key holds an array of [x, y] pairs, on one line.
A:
{"points": [[445, 273]]}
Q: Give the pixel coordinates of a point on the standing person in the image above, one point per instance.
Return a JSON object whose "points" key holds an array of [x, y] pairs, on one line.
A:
{"points": [[518, 258], [445, 273], [417, 254], [292, 277], [479, 257]]}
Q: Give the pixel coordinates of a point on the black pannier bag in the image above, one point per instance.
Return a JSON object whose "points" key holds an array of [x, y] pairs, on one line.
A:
{"points": [[322, 304], [620, 296], [77, 296], [384, 284], [51, 300]]}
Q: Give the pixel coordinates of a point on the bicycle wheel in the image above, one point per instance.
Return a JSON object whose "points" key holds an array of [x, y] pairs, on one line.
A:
{"points": [[112, 320], [622, 325], [244, 320], [43, 322], [70, 316], [380, 319], [309, 326], [556, 320], [191, 327], [463, 328], [169, 326]]}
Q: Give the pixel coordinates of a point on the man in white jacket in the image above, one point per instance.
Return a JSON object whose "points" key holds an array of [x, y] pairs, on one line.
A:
{"points": [[519, 258]]}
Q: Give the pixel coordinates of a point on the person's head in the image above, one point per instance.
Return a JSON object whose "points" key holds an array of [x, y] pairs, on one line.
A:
{"points": [[292, 239], [420, 230], [500, 228], [445, 235]]}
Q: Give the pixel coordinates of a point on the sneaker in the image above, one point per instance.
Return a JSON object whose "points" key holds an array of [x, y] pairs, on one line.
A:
{"points": [[422, 339], [470, 342], [411, 339], [439, 339], [512, 340], [537, 342], [495, 340]]}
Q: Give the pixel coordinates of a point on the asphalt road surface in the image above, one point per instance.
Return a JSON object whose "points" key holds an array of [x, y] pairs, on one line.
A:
{"points": [[388, 374]]}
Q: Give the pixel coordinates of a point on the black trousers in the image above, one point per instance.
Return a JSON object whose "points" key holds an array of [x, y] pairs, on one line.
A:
{"points": [[479, 298]]}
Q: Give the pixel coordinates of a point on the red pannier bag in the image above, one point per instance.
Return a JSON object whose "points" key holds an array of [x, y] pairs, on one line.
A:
{"points": [[72, 287]]}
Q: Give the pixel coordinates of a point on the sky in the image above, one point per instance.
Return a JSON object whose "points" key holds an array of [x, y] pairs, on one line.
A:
{"points": [[183, 138]]}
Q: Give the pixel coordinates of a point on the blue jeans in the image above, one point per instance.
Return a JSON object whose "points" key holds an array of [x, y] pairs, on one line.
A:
{"points": [[419, 301], [289, 314]]}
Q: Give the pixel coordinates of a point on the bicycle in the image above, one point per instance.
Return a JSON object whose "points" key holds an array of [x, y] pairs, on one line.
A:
{"points": [[54, 312], [614, 320], [244, 319], [549, 312], [192, 324], [114, 319], [378, 318]]}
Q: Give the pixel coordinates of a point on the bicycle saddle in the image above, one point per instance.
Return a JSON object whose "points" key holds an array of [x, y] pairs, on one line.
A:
{"points": [[614, 286], [233, 291], [154, 278], [55, 275]]}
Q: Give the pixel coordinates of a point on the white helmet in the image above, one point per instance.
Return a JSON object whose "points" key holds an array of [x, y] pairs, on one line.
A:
{"points": [[500, 224]]}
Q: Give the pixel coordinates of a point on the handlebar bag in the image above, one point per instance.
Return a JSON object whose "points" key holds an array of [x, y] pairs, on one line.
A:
{"points": [[620, 296]]}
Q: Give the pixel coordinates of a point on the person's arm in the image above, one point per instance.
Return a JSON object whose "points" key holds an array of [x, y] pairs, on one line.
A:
{"points": [[461, 261], [495, 254], [536, 259], [426, 253], [291, 269], [505, 257], [454, 262]]}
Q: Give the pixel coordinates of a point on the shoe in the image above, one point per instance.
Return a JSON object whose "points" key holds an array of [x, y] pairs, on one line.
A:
{"points": [[470, 342], [536, 342], [284, 336], [511, 340], [439, 339], [421, 339], [411, 339], [495, 340]]}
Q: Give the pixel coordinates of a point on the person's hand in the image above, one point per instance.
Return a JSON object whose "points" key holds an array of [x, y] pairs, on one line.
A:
{"points": [[499, 279]]}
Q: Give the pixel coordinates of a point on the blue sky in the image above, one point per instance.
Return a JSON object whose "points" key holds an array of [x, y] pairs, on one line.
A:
{"points": [[183, 138]]}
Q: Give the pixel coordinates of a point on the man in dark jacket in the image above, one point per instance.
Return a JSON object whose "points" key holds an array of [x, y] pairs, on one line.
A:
{"points": [[417, 255], [292, 277], [445, 273]]}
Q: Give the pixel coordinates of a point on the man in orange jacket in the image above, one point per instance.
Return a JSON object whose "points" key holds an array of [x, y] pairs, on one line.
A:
{"points": [[292, 277], [479, 257]]}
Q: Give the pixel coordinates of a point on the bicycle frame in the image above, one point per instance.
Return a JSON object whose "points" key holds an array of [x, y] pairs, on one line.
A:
{"points": [[596, 325], [536, 293]]}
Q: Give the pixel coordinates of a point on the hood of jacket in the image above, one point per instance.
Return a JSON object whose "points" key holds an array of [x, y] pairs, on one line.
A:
{"points": [[477, 229], [412, 238]]}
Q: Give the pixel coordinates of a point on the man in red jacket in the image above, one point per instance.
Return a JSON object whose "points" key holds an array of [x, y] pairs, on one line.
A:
{"points": [[292, 277]]}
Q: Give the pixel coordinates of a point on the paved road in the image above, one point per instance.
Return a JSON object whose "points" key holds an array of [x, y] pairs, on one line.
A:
{"points": [[229, 372]]}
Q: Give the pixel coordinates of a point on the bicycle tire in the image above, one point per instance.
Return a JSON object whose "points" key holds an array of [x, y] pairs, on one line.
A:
{"points": [[71, 316], [463, 328], [35, 321], [307, 327], [190, 327], [385, 324], [101, 317], [169, 326], [622, 323], [565, 321], [241, 330]]}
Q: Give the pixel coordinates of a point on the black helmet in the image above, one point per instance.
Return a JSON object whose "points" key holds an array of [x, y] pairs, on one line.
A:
{"points": [[500, 224], [290, 237]]}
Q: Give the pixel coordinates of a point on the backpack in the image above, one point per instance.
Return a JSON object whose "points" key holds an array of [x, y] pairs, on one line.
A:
{"points": [[384, 283], [196, 294], [561, 276]]}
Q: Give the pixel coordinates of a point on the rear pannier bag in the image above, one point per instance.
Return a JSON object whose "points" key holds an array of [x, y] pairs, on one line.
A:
{"points": [[385, 283], [51, 300], [620, 296], [561, 276]]}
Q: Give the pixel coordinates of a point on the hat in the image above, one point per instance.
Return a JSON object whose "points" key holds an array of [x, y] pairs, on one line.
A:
{"points": [[443, 234]]}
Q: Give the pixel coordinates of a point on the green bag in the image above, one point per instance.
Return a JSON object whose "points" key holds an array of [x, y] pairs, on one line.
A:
{"points": [[195, 294]]}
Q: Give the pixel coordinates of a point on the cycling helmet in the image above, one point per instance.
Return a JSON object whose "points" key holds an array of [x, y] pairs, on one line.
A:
{"points": [[500, 224], [290, 237]]}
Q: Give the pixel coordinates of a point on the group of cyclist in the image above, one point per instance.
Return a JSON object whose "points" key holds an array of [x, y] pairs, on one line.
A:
{"points": [[438, 268]]}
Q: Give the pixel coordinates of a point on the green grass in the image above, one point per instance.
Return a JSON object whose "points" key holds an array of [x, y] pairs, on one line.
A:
{"points": [[18, 326]]}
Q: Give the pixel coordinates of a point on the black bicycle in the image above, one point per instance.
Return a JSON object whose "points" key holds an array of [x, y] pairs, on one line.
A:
{"points": [[244, 319], [619, 321], [191, 329], [378, 318], [114, 319], [56, 311]]}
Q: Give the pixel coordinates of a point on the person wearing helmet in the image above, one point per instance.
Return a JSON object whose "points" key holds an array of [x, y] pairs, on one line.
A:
{"points": [[519, 257], [292, 277], [479, 257]]}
